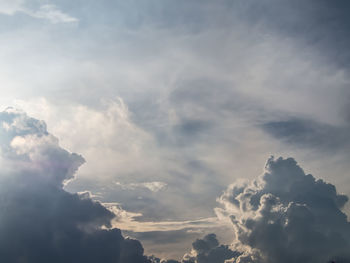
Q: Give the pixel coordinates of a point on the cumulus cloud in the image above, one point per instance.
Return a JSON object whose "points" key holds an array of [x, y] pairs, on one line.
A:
{"points": [[26, 146], [206, 250], [287, 216], [48, 12], [40, 221]]}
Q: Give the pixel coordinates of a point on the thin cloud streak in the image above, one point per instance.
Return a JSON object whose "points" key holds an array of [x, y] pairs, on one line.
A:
{"points": [[48, 12], [127, 221]]}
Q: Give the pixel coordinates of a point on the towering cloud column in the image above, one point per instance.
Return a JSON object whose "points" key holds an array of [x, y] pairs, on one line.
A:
{"points": [[287, 216]]}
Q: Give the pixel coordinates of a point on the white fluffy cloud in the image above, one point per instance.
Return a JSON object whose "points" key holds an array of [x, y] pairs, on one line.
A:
{"points": [[27, 146], [114, 146]]}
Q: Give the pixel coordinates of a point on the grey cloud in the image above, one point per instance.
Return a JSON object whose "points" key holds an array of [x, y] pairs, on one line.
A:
{"points": [[206, 250], [190, 130], [40, 221], [158, 260], [168, 244], [288, 216], [172, 239], [309, 133], [186, 99], [320, 24], [161, 237], [187, 190], [150, 204]]}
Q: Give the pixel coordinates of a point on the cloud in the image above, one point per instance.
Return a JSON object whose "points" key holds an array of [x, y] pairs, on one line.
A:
{"points": [[196, 91], [206, 250], [126, 220], [287, 216], [320, 24], [152, 186], [168, 239], [10, 7], [48, 12], [27, 146], [309, 133], [51, 13], [111, 133], [132, 166], [41, 222]]}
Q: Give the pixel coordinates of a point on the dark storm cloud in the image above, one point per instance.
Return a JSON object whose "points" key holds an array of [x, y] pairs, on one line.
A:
{"points": [[308, 133], [41, 222], [288, 216]]}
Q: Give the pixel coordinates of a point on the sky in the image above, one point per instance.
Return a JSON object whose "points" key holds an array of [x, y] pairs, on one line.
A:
{"points": [[163, 123]]}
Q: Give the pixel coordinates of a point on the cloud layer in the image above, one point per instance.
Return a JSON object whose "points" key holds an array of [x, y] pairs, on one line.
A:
{"points": [[284, 215], [207, 90], [287, 216], [41, 222]]}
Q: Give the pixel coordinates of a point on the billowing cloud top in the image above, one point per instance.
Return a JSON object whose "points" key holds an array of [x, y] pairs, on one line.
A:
{"points": [[287, 216], [40, 221], [26, 144], [208, 250]]}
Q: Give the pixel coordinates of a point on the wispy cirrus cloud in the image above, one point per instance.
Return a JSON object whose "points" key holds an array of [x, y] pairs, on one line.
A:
{"points": [[48, 12], [51, 13], [128, 221]]}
